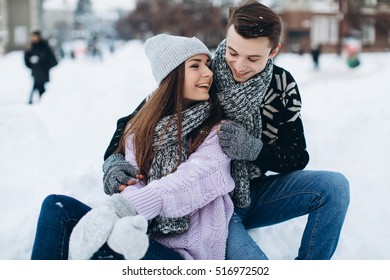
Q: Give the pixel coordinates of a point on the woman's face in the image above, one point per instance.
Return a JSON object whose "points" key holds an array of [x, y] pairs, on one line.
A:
{"points": [[198, 79], [247, 57]]}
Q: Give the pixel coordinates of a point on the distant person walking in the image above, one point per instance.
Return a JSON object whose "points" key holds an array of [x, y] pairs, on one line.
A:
{"points": [[40, 59], [315, 54]]}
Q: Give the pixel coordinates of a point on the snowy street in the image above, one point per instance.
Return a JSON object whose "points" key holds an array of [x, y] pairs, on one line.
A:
{"points": [[57, 145]]}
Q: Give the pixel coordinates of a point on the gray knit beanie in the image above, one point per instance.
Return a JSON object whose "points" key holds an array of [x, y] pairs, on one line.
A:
{"points": [[166, 52]]}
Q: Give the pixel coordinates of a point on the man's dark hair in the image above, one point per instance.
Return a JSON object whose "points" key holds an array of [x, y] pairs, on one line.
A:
{"points": [[37, 33], [252, 19]]}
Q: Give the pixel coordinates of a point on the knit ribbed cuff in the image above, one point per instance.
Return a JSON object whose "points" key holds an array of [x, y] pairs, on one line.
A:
{"points": [[147, 201]]}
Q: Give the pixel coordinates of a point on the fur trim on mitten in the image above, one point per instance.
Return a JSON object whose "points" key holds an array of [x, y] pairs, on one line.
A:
{"points": [[129, 237], [121, 206]]}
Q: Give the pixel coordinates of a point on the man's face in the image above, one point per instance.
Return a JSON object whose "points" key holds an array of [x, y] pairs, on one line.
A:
{"points": [[247, 57], [35, 38]]}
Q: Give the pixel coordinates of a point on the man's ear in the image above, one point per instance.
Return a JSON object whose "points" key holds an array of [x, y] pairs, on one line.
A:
{"points": [[275, 51]]}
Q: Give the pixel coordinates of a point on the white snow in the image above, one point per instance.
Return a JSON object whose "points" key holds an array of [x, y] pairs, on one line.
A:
{"points": [[57, 145]]}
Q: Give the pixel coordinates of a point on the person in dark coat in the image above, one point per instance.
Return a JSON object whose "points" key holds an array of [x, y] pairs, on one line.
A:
{"points": [[315, 54], [40, 59]]}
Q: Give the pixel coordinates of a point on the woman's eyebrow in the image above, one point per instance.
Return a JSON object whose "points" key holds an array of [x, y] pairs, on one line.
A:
{"points": [[198, 60]]}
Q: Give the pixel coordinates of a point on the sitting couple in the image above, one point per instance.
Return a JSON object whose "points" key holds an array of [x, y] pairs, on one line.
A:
{"points": [[186, 172]]}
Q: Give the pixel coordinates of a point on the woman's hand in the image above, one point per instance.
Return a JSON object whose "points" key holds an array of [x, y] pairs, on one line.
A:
{"points": [[131, 182]]}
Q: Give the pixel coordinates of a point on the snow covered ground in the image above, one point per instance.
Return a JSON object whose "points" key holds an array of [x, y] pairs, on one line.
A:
{"points": [[57, 145]]}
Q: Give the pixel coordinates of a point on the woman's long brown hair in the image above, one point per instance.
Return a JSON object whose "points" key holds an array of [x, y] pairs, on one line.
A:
{"points": [[166, 100]]}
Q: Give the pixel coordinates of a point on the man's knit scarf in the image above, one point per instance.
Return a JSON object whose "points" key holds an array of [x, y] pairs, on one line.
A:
{"points": [[241, 103], [167, 157]]}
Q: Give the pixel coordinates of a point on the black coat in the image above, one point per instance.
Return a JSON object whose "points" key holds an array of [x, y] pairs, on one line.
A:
{"points": [[40, 59]]}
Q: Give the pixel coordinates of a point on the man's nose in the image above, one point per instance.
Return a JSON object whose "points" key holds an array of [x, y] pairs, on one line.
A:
{"points": [[240, 65]]}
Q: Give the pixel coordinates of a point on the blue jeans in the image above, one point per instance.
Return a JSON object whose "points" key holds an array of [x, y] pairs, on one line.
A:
{"points": [[323, 195], [59, 215]]}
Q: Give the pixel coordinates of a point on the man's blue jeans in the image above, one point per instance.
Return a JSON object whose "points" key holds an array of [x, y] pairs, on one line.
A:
{"points": [[323, 195], [59, 215]]}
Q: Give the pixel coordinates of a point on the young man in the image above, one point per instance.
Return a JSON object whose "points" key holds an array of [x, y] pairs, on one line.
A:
{"points": [[264, 133]]}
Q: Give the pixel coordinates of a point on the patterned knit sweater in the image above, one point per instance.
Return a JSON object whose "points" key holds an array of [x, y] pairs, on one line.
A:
{"points": [[199, 188], [284, 148]]}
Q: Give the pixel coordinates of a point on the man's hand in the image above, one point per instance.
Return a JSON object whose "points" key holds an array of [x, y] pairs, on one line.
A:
{"points": [[237, 143], [131, 182], [118, 174]]}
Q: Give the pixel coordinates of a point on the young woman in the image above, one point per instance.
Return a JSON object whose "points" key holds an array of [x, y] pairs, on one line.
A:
{"points": [[184, 177], [264, 133]]}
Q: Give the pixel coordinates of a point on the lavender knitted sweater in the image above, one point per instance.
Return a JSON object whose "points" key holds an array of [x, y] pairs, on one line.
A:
{"points": [[199, 188]]}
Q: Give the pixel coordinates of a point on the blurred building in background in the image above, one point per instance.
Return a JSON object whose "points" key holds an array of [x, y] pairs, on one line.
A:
{"points": [[61, 22], [306, 22], [17, 19], [58, 21], [3, 27], [205, 19]]}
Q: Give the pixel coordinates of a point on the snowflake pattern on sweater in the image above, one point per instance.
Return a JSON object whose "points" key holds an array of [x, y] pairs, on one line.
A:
{"points": [[284, 148]]}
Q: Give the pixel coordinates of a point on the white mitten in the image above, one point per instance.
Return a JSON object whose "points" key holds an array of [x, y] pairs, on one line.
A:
{"points": [[34, 59], [129, 237], [91, 232], [94, 228]]}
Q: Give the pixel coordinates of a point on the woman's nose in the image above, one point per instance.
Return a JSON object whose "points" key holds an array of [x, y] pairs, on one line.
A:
{"points": [[208, 73]]}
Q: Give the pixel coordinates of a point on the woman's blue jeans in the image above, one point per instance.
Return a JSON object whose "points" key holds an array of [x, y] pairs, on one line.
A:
{"points": [[59, 215], [323, 195]]}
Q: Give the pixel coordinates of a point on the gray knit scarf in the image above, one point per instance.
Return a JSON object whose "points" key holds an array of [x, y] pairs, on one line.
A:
{"points": [[241, 103], [167, 157]]}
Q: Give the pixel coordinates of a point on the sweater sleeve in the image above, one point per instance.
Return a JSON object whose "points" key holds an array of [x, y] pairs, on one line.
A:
{"points": [[27, 56], [195, 183]]}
